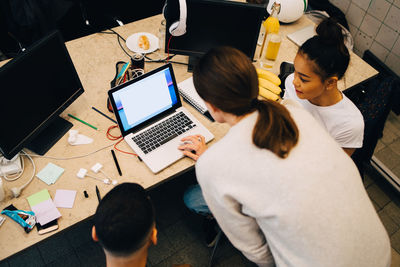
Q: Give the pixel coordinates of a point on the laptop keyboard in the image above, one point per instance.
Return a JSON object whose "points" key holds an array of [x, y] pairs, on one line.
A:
{"points": [[163, 132]]}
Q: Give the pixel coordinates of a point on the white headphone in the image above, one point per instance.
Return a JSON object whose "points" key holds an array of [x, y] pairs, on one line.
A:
{"points": [[178, 28]]}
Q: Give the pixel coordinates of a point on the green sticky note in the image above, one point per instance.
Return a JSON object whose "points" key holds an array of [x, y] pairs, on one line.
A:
{"points": [[50, 173], [38, 197]]}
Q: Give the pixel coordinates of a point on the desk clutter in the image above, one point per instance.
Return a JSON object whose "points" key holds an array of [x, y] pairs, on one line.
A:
{"points": [[43, 207], [126, 69], [44, 212]]}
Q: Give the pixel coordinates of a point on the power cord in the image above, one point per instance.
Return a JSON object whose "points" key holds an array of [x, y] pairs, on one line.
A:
{"points": [[16, 191], [119, 138], [118, 38], [75, 157]]}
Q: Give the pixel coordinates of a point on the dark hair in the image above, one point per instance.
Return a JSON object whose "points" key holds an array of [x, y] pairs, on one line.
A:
{"points": [[124, 219], [327, 50], [226, 78]]}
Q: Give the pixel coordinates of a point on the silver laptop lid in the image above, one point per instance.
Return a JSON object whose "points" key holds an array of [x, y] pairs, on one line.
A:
{"points": [[144, 100]]}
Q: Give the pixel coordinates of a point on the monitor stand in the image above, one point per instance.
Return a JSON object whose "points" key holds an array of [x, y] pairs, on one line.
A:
{"points": [[47, 138], [192, 62]]}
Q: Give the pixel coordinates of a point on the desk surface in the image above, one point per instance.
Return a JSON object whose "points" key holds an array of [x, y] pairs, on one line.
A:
{"points": [[94, 57]]}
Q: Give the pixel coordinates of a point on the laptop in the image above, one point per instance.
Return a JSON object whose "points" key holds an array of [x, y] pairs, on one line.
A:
{"points": [[152, 119]]}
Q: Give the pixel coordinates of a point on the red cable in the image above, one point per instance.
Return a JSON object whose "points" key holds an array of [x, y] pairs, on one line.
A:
{"points": [[113, 138], [169, 40], [124, 78]]}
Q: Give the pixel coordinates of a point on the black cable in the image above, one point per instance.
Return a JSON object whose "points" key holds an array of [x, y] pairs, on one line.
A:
{"points": [[118, 38], [123, 49], [182, 63], [149, 60], [158, 60]]}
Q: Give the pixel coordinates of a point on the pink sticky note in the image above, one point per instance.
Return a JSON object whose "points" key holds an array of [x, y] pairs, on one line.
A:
{"points": [[64, 198], [46, 211]]}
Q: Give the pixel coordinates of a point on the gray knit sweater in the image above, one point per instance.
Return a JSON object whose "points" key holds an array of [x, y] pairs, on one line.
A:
{"points": [[310, 209]]}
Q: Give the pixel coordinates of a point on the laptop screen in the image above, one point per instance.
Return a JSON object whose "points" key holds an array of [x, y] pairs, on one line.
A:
{"points": [[145, 98]]}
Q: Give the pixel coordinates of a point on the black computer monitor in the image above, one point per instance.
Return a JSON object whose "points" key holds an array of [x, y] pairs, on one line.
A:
{"points": [[35, 88], [212, 23]]}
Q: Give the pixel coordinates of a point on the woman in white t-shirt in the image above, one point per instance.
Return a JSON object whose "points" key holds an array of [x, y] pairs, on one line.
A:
{"points": [[320, 62]]}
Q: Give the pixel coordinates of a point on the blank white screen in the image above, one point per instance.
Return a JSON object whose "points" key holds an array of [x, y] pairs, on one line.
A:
{"points": [[145, 97]]}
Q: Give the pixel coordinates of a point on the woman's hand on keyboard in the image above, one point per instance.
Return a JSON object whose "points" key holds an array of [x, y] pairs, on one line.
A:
{"points": [[193, 146]]}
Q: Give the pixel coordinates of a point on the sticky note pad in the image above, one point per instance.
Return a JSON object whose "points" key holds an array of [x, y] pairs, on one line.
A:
{"points": [[38, 197], [50, 173], [43, 207], [46, 212], [64, 198]]}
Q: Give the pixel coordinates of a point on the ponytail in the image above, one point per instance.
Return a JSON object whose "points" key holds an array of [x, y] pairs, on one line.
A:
{"points": [[275, 129], [226, 78], [327, 50]]}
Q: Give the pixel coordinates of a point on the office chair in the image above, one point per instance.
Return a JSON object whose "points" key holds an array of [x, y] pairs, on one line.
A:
{"points": [[218, 238], [375, 107], [375, 99]]}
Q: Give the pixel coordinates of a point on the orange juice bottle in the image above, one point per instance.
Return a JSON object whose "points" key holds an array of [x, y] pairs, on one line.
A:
{"points": [[272, 40]]}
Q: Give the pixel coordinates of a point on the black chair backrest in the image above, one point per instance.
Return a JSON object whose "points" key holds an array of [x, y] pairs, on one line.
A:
{"points": [[375, 99]]}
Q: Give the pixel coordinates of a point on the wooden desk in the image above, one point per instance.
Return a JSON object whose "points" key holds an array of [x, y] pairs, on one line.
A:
{"points": [[94, 58]]}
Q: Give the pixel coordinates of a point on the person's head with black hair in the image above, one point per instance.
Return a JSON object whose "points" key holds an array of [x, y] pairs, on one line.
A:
{"points": [[124, 225], [320, 62]]}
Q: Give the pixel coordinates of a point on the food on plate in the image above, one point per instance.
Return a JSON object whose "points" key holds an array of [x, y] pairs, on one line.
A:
{"points": [[143, 42]]}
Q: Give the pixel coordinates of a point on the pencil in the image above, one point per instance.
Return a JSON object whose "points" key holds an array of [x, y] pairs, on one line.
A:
{"points": [[116, 162], [111, 119], [98, 193], [84, 122]]}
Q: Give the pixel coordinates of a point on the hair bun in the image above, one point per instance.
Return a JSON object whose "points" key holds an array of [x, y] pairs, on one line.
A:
{"points": [[330, 32]]}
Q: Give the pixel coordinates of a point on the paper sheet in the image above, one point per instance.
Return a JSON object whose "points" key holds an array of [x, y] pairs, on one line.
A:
{"points": [[50, 173], [46, 211], [64, 198], [300, 36]]}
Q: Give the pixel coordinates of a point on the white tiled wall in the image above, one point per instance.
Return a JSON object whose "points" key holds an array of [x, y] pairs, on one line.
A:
{"points": [[375, 25]]}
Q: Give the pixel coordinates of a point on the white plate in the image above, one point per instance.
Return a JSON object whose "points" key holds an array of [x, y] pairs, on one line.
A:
{"points": [[132, 42]]}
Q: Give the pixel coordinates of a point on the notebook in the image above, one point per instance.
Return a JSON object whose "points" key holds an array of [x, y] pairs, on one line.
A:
{"points": [[152, 119], [189, 94], [300, 36]]}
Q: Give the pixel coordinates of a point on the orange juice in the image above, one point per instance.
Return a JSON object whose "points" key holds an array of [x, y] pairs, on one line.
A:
{"points": [[273, 47], [272, 50], [270, 53]]}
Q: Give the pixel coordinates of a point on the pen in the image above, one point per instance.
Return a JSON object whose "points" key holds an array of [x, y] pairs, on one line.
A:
{"points": [[116, 162], [95, 109], [84, 122], [98, 193]]}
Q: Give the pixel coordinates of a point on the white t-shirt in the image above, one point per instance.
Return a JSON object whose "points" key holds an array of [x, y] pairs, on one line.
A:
{"points": [[309, 209], [343, 120]]}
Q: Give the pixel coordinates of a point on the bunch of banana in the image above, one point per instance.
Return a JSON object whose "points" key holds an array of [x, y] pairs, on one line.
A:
{"points": [[268, 84]]}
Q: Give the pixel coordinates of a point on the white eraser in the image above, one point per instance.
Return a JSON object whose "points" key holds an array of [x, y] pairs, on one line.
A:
{"points": [[81, 173], [96, 167], [106, 181]]}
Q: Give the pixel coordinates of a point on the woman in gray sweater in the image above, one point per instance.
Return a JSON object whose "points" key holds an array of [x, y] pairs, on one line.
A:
{"points": [[282, 190]]}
